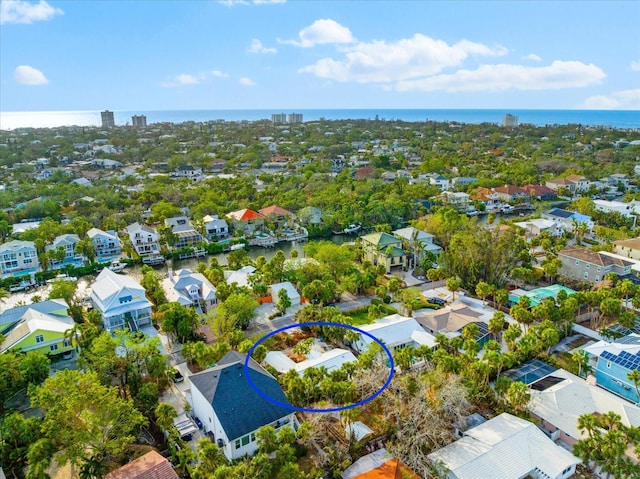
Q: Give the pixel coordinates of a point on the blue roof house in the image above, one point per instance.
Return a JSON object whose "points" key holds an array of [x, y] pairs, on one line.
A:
{"points": [[614, 361], [232, 410]]}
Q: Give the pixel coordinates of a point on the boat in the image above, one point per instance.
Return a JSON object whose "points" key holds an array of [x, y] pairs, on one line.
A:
{"points": [[352, 228], [117, 266], [62, 277], [154, 259], [237, 246]]}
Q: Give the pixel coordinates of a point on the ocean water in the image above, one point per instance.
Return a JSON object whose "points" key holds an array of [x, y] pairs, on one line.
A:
{"points": [[49, 119]]}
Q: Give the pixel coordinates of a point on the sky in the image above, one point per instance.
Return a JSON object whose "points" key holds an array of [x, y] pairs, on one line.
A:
{"points": [[278, 54]]}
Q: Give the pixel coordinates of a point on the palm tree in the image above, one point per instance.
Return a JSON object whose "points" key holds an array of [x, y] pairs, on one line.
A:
{"points": [[73, 335], [496, 324], [518, 395], [582, 358], [165, 414], [635, 377], [4, 294]]}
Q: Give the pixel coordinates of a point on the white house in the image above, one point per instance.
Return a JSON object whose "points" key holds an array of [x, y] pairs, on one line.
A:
{"points": [[422, 239], [186, 235], [190, 289], [68, 243], [293, 294], [625, 209], [559, 399], [18, 258], [538, 225], [240, 277], [440, 182], [106, 243], [193, 173], [145, 239], [331, 360], [395, 332], [232, 410], [216, 228], [504, 447], [121, 301]]}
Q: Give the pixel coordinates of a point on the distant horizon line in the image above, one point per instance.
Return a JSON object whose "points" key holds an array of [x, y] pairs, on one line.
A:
{"points": [[323, 108]]}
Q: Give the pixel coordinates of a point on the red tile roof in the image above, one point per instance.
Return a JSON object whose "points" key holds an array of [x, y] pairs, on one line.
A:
{"points": [[275, 210], [392, 469], [150, 466], [244, 215], [510, 190], [538, 190]]}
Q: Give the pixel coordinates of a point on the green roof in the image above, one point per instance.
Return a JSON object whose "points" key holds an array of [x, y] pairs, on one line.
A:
{"points": [[381, 240]]}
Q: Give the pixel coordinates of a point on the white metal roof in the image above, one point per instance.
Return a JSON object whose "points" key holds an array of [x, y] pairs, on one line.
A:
{"points": [[562, 403], [506, 447]]}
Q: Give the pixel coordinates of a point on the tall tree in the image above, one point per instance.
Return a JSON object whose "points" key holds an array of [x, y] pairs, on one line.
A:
{"points": [[84, 418]]}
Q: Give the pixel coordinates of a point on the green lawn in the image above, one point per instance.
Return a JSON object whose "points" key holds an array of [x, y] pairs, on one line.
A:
{"points": [[359, 319], [361, 315]]}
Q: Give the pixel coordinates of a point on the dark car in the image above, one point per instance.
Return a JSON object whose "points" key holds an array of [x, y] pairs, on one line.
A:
{"points": [[177, 376], [186, 437], [438, 301], [198, 422]]}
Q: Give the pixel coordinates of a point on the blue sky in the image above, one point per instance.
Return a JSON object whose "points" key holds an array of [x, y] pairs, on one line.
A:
{"points": [[260, 54]]}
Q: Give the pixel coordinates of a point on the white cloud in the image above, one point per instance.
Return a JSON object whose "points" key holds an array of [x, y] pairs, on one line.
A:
{"points": [[635, 66], [257, 47], [246, 81], [219, 74], [26, 75], [415, 57], [184, 79], [18, 11], [618, 100], [558, 75], [533, 57], [322, 32]]}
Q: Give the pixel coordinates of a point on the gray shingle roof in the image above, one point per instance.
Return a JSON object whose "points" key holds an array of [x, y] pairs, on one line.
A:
{"points": [[239, 407]]}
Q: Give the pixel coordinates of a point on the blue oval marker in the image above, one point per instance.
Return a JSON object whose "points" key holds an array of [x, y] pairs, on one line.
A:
{"points": [[307, 409]]}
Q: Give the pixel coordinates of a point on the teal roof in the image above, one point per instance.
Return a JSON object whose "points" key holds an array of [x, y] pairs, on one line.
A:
{"points": [[381, 240], [538, 295]]}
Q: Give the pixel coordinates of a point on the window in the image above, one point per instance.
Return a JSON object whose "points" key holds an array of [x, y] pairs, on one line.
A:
{"points": [[237, 443], [608, 364], [597, 278], [66, 343], [245, 440], [586, 276], [39, 338], [586, 266], [53, 347], [577, 262], [253, 437], [599, 268]]}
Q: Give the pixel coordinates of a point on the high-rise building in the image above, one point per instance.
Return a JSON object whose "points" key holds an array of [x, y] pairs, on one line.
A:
{"points": [[510, 121], [295, 117], [107, 119], [139, 121], [279, 118]]}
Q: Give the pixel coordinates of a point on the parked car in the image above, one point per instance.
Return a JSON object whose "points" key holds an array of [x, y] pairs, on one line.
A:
{"points": [[198, 422], [177, 376], [436, 300], [187, 437]]}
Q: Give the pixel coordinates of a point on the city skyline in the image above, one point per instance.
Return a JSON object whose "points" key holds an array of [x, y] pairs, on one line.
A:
{"points": [[261, 54]]}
